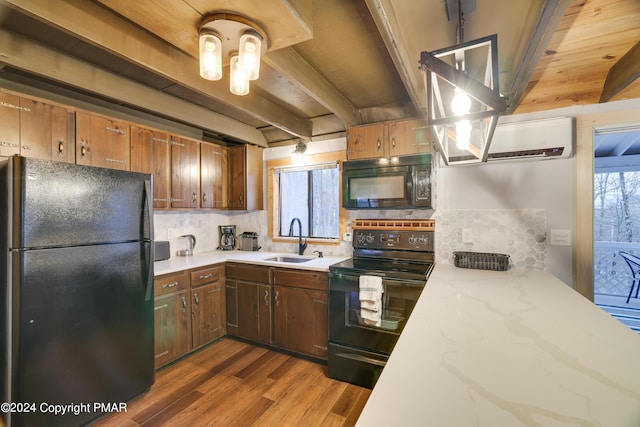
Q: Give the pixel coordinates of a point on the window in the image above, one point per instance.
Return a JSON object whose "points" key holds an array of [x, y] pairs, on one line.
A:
{"points": [[311, 194]]}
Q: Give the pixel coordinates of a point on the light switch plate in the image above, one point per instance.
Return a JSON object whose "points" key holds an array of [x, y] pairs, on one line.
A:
{"points": [[560, 238]]}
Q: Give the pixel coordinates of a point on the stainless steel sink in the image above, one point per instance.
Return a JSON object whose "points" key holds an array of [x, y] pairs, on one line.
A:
{"points": [[288, 259]]}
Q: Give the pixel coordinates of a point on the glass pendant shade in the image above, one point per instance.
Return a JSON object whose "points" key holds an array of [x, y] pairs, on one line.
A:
{"points": [[210, 56], [238, 81], [249, 55], [463, 134]]}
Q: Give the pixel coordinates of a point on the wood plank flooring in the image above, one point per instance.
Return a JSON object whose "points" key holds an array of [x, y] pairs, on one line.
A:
{"points": [[232, 383]]}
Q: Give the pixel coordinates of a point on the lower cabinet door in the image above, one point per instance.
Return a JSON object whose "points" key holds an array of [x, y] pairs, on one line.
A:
{"points": [[208, 313], [172, 321], [254, 311], [300, 320]]}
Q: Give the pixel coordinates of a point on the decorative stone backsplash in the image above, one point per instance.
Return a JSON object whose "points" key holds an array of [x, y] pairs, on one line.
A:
{"points": [[520, 233]]}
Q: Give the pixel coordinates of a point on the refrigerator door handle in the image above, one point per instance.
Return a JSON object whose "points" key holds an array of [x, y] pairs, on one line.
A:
{"points": [[148, 213]]}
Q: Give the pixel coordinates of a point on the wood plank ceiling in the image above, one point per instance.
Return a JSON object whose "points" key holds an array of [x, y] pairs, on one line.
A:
{"points": [[330, 63]]}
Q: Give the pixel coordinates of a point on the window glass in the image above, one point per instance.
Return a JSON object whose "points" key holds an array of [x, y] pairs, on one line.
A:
{"points": [[312, 196]]}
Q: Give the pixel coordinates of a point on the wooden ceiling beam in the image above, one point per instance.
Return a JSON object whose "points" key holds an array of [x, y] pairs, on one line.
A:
{"points": [[622, 74], [24, 54], [290, 64], [92, 23]]}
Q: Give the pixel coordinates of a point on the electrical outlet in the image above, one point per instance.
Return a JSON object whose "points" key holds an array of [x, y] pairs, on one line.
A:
{"points": [[560, 237], [467, 235]]}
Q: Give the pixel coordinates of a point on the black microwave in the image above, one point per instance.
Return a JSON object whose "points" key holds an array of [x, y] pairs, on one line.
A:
{"points": [[396, 183]]}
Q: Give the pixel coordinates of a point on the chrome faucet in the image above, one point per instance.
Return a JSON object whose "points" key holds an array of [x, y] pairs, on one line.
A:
{"points": [[301, 246]]}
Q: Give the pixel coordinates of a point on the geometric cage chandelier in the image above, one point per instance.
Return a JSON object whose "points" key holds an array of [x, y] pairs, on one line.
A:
{"points": [[463, 96], [228, 37]]}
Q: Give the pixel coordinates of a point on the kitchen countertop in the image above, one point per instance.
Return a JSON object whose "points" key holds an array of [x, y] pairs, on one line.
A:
{"points": [[514, 348], [201, 259]]}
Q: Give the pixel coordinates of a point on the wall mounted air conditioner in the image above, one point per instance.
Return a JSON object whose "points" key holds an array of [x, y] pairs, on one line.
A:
{"points": [[536, 139]]}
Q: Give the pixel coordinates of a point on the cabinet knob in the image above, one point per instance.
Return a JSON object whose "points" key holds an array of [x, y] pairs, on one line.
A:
{"points": [[60, 146], [204, 197]]}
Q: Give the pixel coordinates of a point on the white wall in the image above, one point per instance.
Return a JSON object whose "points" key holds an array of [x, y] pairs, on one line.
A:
{"points": [[518, 185]]}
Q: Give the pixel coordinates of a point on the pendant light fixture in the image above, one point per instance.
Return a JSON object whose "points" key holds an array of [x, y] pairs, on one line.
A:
{"points": [[226, 37], [463, 109]]}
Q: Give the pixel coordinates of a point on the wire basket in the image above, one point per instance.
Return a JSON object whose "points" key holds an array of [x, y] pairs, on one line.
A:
{"points": [[481, 261]]}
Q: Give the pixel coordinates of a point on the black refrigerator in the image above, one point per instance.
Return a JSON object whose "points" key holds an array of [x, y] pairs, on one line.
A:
{"points": [[77, 290]]}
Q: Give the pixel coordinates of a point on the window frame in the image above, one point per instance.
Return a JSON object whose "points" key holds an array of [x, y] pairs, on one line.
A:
{"points": [[273, 201]]}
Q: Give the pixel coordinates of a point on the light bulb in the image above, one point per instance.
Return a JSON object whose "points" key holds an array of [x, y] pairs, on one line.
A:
{"points": [[210, 57], [249, 55], [461, 103], [463, 134], [238, 81]]}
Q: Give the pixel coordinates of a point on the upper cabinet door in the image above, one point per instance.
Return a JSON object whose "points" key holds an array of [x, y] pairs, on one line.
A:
{"points": [[150, 154], [365, 142], [10, 128], [102, 142], [408, 137], [185, 172], [46, 131], [213, 179]]}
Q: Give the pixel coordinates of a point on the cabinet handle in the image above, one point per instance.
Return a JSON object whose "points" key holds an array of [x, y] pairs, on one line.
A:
{"points": [[83, 148], [318, 301], [194, 197], [393, 143], [206, 276], [241, 196], [164, 353], [184, 304], [196, 301], [166, 141], [116, 130], [115, 160], [172, 142], [266, 297], [204, 197], [277, 300], [320, 347], [170, 285], [8, 144], [379, 144], [160, 307], [60, 146]]}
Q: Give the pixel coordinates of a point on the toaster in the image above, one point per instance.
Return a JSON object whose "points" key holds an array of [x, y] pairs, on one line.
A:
{"points": [[248, 241], [161, 250]]}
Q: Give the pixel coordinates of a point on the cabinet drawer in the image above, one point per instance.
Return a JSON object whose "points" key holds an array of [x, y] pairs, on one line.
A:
{"points": [[206, 275], [172, 282], [301, 279], [248, 273]]}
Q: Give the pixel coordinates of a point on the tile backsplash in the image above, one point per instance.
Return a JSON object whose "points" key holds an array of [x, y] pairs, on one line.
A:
{"points": [[519, 233]]}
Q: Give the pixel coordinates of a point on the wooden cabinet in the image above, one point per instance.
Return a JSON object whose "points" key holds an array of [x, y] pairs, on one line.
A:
{"points": [[285, 308], [10, 129], [102, 141], [249, 302], [185, 172], [245, 177], [300, 311], [213, 176], [190, 311], [389, 139], [172, 318], [35, 129], [208, 308], [150, 154]]}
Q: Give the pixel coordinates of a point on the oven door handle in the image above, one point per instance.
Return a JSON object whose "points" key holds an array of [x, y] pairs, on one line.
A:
{"points": [[360, 358], [385, 280]]}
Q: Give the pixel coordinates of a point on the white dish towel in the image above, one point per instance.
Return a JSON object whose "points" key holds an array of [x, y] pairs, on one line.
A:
{"points": [[371, 299]]}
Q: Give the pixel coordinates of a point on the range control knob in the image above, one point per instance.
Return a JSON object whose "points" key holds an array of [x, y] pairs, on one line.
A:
{"points": [[424, 240], [360, 238], [370, 238], [413, 240]]}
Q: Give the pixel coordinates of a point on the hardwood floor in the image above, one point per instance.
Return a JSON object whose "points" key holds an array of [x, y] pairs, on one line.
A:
{"points": [[232, 383]]}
